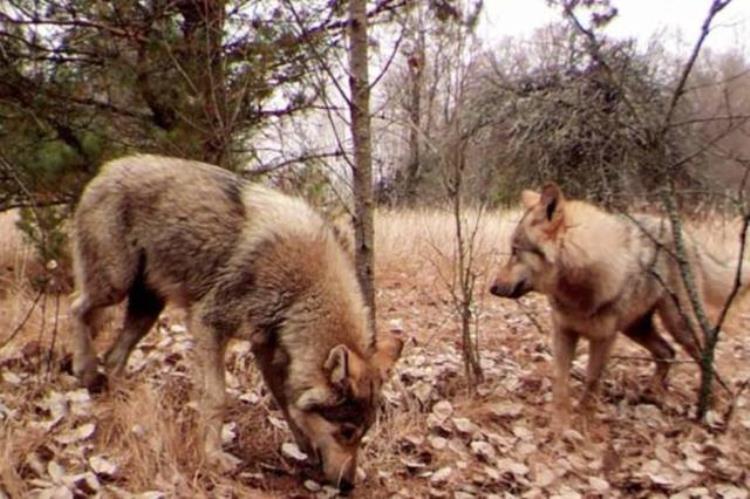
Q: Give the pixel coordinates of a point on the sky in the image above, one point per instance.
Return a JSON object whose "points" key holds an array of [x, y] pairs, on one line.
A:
{"points": [[637, 18]]}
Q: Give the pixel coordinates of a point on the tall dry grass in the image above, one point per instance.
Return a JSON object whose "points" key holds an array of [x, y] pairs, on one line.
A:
{"points": [[410, 240]]}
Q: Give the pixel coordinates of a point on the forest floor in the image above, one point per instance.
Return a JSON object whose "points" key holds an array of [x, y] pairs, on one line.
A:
{"points": [[433, 438]]}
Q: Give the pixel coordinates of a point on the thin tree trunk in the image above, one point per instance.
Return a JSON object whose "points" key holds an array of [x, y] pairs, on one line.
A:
{"points": [[362, 175], [416, 75], [464, 297]]}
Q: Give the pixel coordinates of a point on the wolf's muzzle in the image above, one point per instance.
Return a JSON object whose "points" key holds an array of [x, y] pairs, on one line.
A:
{"points": [[514, 290]]}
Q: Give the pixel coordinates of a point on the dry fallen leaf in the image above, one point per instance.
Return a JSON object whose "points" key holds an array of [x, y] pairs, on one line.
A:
{"points": [[313, 486], [59, 492], [101, 465], [598, 484], [464, 425], [12, 378], [727, 491], [228, 432], [77, 434], [441, 476], [291, 450], [437, 442], [506, 409], [511, 466], [483, 450], [442, 410]]}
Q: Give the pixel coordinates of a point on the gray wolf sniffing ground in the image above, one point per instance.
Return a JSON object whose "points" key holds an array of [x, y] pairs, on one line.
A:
{"points": [[246, 262], [605, 273]]}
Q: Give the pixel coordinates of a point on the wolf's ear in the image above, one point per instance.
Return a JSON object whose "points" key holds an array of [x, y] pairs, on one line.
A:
{"points": [[552, 200], [389, 347], [337, 365], [529, 198]]}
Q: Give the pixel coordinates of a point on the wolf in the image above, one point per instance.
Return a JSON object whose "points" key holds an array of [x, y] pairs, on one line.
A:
{"points": [[245, 262], [603, 274]]}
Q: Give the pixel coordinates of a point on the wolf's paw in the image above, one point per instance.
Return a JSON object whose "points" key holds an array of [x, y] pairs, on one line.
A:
{"points": [[560, 422], [93, 380], [223, 461]]}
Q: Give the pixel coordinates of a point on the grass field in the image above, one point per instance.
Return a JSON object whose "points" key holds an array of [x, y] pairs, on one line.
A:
{"points": [[432, 439]]}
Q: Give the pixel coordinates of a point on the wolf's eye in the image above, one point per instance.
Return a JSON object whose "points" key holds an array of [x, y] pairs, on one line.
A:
{"points": [[348, 432]]}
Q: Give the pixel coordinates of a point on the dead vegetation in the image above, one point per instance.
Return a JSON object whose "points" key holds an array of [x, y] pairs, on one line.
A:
{"points": [[432, 439]]}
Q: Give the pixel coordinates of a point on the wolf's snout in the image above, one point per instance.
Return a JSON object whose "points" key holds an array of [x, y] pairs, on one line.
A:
{"points": [[339, 468], [510, 289], [503, 289]]}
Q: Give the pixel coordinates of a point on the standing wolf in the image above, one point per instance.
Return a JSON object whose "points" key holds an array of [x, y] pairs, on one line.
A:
{"points": [[246, 262], [602, 274]]}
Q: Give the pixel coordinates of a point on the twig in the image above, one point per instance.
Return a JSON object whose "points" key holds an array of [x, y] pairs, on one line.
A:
{"points": [[51, 352], [716, 7], [730, 410], [737, 276], [532, 318], [651, 359], [42, 325]]}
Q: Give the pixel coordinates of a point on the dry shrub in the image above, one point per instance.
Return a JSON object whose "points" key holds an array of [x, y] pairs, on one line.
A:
{"points": [[21, 267]]}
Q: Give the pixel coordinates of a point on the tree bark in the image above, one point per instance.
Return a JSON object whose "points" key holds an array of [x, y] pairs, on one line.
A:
{"points": [[416, 75], [359, 108]]}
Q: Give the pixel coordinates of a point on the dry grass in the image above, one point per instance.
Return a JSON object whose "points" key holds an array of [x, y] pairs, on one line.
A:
{"points": [[406, 241], [14, 254], [147, 425]]}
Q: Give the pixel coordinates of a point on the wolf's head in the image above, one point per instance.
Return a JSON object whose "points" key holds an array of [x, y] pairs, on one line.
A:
{"points": [[534, 245], [334, 416], [314, 343], [331, 405]]}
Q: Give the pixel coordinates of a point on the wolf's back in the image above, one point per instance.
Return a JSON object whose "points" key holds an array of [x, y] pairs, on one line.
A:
{"points": [[177, 221], [719, 276]]}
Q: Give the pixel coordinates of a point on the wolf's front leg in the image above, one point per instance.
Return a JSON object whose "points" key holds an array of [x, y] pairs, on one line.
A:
{"points": [[564, 343], [599, 350], [209, 354]]}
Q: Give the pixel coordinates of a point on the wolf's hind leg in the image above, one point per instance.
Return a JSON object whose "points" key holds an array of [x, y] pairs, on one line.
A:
{"points": [[645, 334], [675, 324], [144, 307]]}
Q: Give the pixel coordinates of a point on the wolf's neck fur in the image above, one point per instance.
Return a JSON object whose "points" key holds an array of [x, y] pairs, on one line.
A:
{"points": [[592, 263]]}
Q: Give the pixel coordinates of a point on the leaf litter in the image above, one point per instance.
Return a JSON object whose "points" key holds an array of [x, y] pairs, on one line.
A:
{"points": [[433, 438]]}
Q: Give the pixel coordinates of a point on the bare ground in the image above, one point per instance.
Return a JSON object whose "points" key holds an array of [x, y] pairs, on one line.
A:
{"points": [[139, 439]]}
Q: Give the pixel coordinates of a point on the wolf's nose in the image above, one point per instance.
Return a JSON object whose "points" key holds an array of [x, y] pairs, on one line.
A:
{"points": [[345, 486], [495, 290]]}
